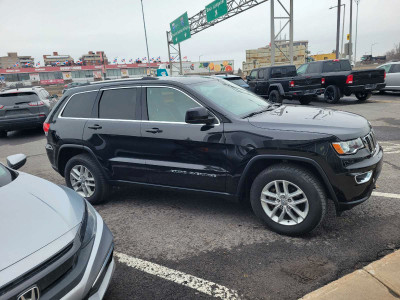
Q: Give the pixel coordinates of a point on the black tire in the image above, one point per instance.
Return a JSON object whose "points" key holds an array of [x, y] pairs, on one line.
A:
{"points": [[363, 96], [102, 187], [305, 100], [275, 97], [307, 182], [3, 134], [382, 92], [332, 94]]}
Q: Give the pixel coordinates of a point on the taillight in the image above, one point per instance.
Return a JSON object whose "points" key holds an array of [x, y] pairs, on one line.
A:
{"points": [[384, 75], [1, 106], [46, 127], [291, 84], [322, 80], [37, 103], [349, 79], [66, 85]]}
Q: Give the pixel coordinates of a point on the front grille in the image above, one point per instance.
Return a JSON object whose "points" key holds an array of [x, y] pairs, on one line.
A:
{"points": [[370, 142], [50, 278]]}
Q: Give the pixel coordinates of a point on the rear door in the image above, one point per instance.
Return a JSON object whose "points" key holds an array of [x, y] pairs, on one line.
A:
{"points": [[177, 153], [393, 77], [18, 105], [113, 133], [262, 82]]}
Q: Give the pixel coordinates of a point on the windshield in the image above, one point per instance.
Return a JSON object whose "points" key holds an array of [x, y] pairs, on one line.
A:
{"points": [[237, 81], [231, 97], [5, 176], [17, 98]]}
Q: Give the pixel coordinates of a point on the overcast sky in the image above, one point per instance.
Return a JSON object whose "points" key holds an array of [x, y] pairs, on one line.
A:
{"points": [[75, 27]]}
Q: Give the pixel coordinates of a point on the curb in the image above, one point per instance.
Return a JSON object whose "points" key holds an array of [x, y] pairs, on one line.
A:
{"points": [[378, 280]]}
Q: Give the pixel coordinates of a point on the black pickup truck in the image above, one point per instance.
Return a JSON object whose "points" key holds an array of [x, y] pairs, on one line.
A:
{"points": [[279, 82], [340, 80]]}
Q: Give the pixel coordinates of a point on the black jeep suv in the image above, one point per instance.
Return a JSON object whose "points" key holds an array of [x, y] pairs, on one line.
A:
{"points": [[208, 135]]}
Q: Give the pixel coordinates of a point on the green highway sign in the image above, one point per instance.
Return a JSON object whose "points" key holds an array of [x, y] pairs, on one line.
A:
{"points": [[216, 9], [180, 29]]}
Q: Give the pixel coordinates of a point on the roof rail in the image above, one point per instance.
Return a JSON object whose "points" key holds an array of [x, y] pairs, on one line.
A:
{"points": [[124, 79]]}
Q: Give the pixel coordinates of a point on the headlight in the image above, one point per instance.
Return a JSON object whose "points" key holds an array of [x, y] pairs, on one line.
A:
{"points": [[88, 227], [348, 147]]}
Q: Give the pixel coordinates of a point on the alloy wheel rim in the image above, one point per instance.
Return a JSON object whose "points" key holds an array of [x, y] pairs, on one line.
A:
{"points": [[82, 181], [284, 202]]}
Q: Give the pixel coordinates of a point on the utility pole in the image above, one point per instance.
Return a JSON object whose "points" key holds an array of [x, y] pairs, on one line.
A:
{"points": [[145, 35], [338, 29], [350, 31], [344, 13], [355, 46], [272, 33]]}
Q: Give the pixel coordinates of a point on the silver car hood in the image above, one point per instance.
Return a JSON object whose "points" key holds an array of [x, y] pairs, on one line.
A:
{"points": [[33, 214]]}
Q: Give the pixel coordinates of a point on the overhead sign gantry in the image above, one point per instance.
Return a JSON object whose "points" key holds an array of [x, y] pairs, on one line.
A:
{"points": [[217, 11]]}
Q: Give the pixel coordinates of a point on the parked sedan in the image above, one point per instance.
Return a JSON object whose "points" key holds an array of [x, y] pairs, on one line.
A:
{"points": [[392, 79], [235, 80], [54, 245]]}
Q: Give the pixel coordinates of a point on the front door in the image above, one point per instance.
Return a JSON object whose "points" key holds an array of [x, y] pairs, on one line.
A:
{"points": [[180, 154], [113, 133], [393, 77]]}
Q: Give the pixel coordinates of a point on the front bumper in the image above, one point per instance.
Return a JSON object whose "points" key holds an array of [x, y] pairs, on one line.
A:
{"points": [[29, 121], [348, 191], [363, 88], [302, 93]]}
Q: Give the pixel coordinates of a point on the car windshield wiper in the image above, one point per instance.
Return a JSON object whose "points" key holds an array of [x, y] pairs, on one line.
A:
{"points": [[269, 108]]}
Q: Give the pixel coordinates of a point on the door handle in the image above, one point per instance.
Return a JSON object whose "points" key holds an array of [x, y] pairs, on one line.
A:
{"points": [[95, 127], [154, 130]]}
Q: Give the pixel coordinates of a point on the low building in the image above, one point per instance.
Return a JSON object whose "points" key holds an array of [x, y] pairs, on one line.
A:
{"points": [[261, 57], [57, 60], [324, 56], [13, 60], [94, 59]]}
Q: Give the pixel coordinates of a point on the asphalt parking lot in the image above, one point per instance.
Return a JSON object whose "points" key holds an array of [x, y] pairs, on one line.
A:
{"points": [[183, 246]]}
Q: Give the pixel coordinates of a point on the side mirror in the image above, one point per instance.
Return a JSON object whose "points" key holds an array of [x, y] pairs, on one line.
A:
{"points": [[199, 115], [16, 161]]}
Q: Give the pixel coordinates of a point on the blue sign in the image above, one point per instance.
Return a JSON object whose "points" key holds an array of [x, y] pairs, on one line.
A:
{"points": [[162, 72]]}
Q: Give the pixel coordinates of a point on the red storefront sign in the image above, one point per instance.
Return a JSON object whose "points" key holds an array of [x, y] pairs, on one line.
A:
{"points": [[76, 68], [51, 81]]}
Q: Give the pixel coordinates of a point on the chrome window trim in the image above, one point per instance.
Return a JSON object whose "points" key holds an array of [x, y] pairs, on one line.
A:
{"points": [[66, 103], [174, 88]]}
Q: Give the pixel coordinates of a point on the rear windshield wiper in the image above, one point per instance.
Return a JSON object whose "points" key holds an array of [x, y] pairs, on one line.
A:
{"points": [[22, 102]]}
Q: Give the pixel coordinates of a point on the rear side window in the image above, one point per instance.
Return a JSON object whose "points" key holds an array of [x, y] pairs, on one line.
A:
{"points": [[261, 74], [80, 105], [118, 104], [345, 65], [395, 68], [277, 72], [18, 98], [302, 69], [291, 71], [313, 68]]}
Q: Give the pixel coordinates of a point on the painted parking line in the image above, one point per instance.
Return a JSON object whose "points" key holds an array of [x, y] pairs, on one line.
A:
{"points": [[386, 195], [196, 283]]}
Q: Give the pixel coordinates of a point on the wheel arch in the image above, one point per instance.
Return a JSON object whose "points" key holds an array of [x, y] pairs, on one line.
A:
{"points": [[259, 163], [67, 151], [278, 87]]}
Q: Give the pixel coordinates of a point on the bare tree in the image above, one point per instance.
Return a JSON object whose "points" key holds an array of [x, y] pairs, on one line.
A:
{"points": [[394, 53]]}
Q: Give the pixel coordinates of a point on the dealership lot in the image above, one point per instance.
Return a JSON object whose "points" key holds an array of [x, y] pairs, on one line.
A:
{"points": [[178, 245]]}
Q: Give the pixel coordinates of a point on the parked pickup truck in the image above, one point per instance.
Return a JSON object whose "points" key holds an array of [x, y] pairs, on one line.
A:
{"points": [[340, 80], [279, 82]]}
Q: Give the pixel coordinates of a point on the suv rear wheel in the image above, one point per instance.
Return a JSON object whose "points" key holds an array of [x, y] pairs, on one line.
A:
{"points": [[275, 97], [305, 100], [289, 199], [363, 96], [84, 176], [332, 94]]}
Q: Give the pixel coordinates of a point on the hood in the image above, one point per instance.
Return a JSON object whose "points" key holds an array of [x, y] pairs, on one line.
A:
{"points": [[34, 213], [341, 124]]}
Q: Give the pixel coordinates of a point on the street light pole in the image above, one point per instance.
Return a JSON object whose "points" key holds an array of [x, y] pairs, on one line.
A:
{"points": [[338, 29], [145, 35], [371, 47], [355, 44], [350, 31]]}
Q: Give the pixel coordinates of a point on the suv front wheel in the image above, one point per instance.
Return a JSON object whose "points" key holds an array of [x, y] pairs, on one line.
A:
{"points": [[84, 176], [289, 199]]}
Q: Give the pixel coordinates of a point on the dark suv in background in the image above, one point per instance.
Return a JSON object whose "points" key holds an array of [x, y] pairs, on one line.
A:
{"points": [[24, 108], [282, 82], [208, 135]]}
